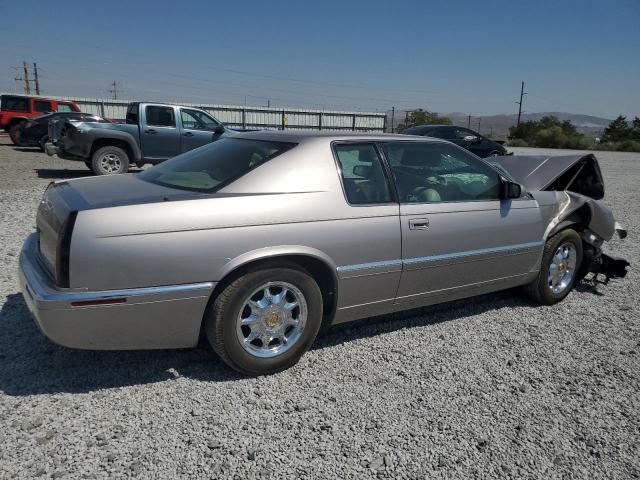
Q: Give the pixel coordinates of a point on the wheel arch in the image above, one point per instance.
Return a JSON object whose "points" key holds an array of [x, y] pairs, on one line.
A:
{"points": [[318, 264], [116, 139]]}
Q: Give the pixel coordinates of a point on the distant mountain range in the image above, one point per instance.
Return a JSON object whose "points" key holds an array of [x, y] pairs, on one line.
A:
{"points": [[497, 126]]}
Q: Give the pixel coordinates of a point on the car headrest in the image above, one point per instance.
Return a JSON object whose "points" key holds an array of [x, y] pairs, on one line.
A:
{"points": [[412, 158]]}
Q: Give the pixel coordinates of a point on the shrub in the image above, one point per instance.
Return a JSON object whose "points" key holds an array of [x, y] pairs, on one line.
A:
{"points": [[517, 142]]}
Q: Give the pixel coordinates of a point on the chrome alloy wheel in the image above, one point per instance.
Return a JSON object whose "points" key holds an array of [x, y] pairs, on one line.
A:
{"points": [[110, 163], [272, 319], [562, 268]]}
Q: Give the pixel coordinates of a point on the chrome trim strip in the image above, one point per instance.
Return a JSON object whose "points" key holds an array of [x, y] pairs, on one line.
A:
{"points": [[471, 253], [369, 265], [343, 269]]}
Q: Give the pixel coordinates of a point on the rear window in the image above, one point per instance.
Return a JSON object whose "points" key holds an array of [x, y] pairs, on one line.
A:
{"points": [[65, 107], [211, 167], [14, 104]]}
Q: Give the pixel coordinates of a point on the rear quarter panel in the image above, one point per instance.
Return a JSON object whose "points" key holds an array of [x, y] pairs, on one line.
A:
{"points": [[293, 204]]}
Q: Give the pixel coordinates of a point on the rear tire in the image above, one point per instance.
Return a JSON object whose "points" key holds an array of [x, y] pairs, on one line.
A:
{"points": [[243, 311], [560, 268], [109, 161]]}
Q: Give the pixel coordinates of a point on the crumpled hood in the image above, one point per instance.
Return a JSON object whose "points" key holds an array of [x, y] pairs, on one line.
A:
{"points": [[578, 173]]}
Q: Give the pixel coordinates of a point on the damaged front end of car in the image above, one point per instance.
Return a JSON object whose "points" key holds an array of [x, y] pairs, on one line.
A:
{"points": [[569, 190]]}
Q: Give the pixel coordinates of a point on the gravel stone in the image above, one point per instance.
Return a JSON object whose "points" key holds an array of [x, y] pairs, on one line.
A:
{"points": [[431, 393]]}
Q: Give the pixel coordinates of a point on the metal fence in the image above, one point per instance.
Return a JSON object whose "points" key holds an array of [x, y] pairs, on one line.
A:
{"points": [[254, 117]]}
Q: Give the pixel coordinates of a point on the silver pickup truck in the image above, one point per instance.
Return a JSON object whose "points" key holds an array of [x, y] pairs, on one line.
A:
{"points": [[152, 133]]}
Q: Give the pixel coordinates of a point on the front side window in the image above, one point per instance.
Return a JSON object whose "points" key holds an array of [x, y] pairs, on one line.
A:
{"points": [[211, 167], [440, 172], [196, 120], [362, 174], [158, 116], [42, 106], [464, 134], [14, 104], [65, 107]]}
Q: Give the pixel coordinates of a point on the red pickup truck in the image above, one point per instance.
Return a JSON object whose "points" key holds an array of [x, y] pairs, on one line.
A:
{"points": [[16, 108]]}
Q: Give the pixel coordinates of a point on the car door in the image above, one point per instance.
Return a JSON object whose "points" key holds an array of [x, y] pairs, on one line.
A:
{"points": [[370, 266], [159, 135], [457, 234], [198, 129]]}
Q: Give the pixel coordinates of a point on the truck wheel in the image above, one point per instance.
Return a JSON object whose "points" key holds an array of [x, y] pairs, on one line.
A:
{"points": [[109, 160], [559, 270], [265, 320]]}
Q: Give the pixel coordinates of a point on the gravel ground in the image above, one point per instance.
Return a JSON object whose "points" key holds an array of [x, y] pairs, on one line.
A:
{"points": [[489, 387]]}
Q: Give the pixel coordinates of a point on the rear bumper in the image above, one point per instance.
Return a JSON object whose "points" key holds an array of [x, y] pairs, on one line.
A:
{"points": [[52, 150], [140, 318]]}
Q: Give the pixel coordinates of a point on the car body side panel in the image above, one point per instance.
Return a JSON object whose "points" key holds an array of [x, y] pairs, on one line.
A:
{"points": [[467, 243]]}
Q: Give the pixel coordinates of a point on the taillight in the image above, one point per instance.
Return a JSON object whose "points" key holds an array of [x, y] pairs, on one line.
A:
{"points": [[63, 251]]}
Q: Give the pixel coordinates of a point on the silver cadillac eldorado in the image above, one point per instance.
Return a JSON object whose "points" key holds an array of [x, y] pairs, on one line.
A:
{"points": [[260, 238]]}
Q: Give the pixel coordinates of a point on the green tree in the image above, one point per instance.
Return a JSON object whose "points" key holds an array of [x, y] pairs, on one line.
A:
{"points": [[635, 129], [617, 131], [548, 132], [423, 117]]}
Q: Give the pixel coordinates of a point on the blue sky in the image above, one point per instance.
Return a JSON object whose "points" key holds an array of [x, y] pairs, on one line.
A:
{"points": [[464, 56]]}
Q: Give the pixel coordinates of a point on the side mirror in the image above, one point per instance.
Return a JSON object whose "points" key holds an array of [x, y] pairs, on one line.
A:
{"points": [[219, 129], [471, 139], [510, 190]]}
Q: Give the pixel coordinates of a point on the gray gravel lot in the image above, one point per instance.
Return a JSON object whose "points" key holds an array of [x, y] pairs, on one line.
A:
{"points": [[489, 387]]}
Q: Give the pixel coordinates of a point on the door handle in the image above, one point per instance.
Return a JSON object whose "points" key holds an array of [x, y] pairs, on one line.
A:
{"points": [[418, 224], [151, 130], [188, 134]]}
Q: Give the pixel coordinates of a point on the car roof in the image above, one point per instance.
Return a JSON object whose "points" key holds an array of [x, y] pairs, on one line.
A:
{"points": [[301, 136]]}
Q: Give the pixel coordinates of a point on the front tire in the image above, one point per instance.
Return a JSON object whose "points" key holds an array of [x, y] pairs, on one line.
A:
{"points": [[559, 270], [109, 161], [264, 321], [43, 141]]}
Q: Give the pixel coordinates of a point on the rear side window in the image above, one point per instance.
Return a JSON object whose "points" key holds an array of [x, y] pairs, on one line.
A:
{"points": [[211, 167], [132, 114], [160, 116], [42, 106], [65, 107], [14, 104], [362, 173]]}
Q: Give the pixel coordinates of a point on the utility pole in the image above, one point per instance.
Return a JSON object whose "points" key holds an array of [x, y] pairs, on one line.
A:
{"points": [[479, 120], [393, 115], [114, 90], [469, 121], [35, 73], [522, 94], [27, 85]]}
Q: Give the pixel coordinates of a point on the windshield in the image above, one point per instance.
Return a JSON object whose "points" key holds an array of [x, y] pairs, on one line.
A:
{"points": [[209, 168]]}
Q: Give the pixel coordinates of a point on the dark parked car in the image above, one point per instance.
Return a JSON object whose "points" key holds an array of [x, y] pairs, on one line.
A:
{"points": [[34, 132], [472, 141]]}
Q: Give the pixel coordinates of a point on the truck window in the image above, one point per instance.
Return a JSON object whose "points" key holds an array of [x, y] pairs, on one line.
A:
{"points": [[160, 116], [14, 104], [196, 120], [65, 107], [132, 114], [42, 106]]}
